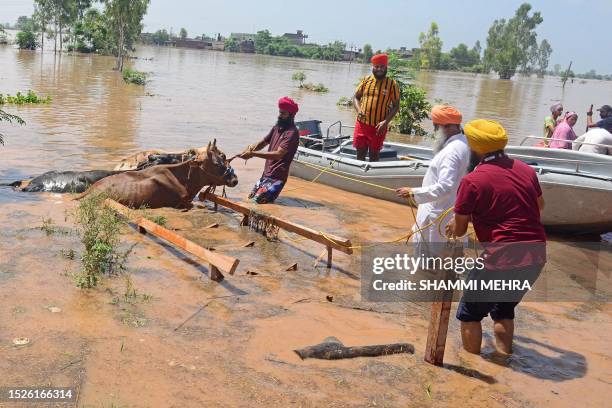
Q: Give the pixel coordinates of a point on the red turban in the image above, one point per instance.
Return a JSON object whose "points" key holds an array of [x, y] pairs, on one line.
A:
{"points": [[287, 104], [380, 59], [445, 115]]}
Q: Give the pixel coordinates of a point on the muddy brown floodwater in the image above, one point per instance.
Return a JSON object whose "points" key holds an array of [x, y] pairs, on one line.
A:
{"points": [[186, 341]]}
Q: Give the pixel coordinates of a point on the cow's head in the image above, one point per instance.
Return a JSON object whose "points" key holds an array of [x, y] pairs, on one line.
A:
{"points": [[214, 164]]}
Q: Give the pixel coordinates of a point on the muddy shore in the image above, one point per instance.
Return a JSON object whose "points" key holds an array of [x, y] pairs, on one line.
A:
{"points": [[188, 341]]}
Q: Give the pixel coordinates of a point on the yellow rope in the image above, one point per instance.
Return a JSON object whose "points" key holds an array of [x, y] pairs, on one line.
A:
{"points": [[411, 204]]}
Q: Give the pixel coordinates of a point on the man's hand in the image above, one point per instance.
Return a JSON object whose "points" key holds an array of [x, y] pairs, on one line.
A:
{"points": [[450, 229], [246, 155], [381, 127], [404, 192]]}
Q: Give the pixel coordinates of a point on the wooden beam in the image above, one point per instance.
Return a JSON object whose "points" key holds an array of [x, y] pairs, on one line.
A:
{"points": [[329, 240], [440, 315], [218, 262]]}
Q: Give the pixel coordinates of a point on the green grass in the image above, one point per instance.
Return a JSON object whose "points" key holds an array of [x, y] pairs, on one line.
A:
{"points": [[100, 230], [134, 77]]}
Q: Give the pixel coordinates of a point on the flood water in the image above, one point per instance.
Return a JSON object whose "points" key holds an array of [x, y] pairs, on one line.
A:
{"points": [[194, 96], [195, 342]]}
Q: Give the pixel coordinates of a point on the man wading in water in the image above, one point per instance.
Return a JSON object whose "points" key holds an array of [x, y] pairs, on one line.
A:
{"points": [[283, 141], [503, 199], [376, 101]]}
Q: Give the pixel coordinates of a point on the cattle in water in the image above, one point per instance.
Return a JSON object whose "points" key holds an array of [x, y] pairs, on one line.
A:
{"points": [[149, 158], [172, 185], [62, 181]]}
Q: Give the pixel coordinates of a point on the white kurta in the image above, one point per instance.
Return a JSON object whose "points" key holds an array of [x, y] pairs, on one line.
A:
{"points": [[440, 185]]}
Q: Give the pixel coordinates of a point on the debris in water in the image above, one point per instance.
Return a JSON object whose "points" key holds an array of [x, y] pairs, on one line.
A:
{"points": [[329, 298], [333, 349], [21, 341], [264, 225], [292, 267], [54, 309]]}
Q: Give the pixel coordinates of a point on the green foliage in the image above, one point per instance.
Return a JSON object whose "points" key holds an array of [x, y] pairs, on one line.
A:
{"points": [[26, 40], [183, 33], [367, 53], [315, 87], [543, 57], [99, 228], [299, 76], [160, 37], [134, 77], [345, 101], [232, 45], [430, 53], [511, 43], [7, 117], [91, 33], [124, 21], [30, 98], [24, 23], [414, 107]]}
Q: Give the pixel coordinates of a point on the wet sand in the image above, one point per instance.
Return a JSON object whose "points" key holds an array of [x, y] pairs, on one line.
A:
{"points": [[237, 348]]}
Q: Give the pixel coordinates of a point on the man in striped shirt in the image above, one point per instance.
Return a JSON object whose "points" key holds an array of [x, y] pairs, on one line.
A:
{"points": [[376, 101]]}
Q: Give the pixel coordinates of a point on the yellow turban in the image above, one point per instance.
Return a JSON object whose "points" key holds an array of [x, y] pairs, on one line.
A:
{"points": [[485, 136], [445, 115]]}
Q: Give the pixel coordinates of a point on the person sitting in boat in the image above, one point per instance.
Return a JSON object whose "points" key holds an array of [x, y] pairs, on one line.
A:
{"points": [[377, 102], [564, 132], [449, 165], [550, 122], [282, 141], [503, 200], [596, 140], [605, 113]]}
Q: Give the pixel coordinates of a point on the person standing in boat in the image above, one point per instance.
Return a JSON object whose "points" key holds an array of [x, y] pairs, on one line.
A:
{"points": [[447, 168], [503, 200], [550, 122], [564, 131], [282, 141], [377, 102]]}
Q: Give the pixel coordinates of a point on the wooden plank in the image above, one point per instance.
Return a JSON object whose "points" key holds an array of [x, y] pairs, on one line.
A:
{"points": [[222, 262], [338, 243], [436, 335], [440, 315]]}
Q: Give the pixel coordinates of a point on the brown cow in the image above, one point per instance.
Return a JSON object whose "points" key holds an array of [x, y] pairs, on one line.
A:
{"points": [[172, 185]]}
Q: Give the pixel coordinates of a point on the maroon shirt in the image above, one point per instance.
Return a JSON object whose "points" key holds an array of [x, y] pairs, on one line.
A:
{"points": [[286, 139], [501, 196]]}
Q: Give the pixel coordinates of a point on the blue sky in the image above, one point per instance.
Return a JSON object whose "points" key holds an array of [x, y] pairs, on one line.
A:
{"points": [[578, 30]]}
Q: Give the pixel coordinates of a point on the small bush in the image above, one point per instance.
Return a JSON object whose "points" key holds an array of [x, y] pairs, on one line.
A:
{"points": [[99, 228], [134, 77], [299, 76], [26, 40], [315, 87], [345, 101], [30, 98]]}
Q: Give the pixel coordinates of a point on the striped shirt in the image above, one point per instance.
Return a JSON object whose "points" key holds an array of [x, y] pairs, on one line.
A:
{"points": [[376, 98]]}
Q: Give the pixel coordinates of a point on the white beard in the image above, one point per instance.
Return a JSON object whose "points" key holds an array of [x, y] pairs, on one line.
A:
{"points": [[439, 142]]}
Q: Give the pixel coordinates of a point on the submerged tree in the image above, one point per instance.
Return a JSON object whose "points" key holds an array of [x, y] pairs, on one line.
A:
{"points": [[543, 57], [367, 53], [125, 23], [430, 53], [183, 33], [511, 43]]}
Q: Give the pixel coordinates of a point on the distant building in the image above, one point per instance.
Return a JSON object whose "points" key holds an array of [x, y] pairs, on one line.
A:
{"points": [[299, 38], [218, 45], [243, 37], [351, 55], [192, 43], [247, 46]]}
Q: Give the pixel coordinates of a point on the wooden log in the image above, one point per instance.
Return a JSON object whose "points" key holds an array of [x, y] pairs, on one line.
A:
{"points": [[333, 349], [329, 256], [330, 240], [213, 225], [292, 267], [221, 262], [215, 274]]}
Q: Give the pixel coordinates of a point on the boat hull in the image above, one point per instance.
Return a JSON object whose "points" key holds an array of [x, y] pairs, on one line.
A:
{"points": [[575, 201]]}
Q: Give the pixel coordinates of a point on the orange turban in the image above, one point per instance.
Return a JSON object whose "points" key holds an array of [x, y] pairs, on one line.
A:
{"points": [[380, 59], [445, 115]]}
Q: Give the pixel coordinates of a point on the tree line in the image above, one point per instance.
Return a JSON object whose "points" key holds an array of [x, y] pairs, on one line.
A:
{"points": [[77, 25]]}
